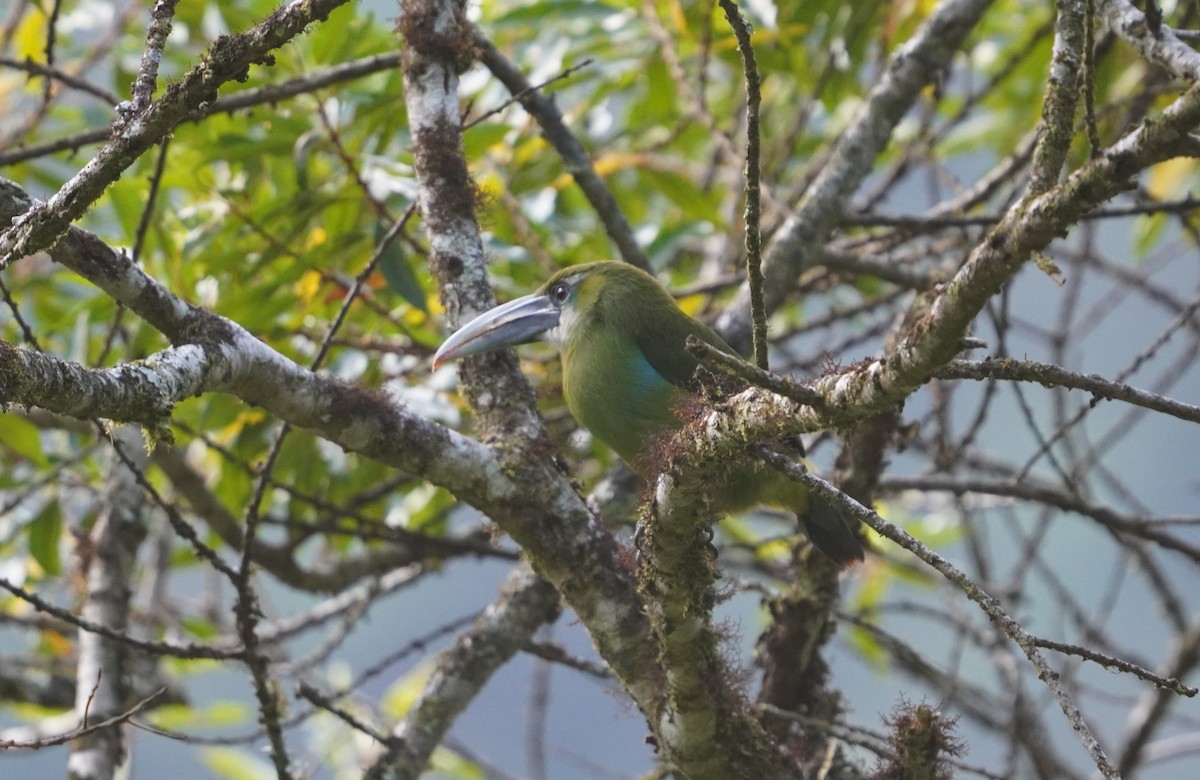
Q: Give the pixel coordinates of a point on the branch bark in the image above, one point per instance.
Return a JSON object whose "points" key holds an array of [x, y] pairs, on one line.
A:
{"points": [[101, 672]]}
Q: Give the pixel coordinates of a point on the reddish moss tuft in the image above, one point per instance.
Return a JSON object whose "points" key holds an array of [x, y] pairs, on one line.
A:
{"points": [[922, 739], [455, 44]]}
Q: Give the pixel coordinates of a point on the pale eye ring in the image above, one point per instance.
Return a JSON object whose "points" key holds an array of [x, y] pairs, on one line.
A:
{"points": [[559, 292]]}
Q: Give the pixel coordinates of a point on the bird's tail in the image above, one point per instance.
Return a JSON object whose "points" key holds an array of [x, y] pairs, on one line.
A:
{"points": [[829, 533]]}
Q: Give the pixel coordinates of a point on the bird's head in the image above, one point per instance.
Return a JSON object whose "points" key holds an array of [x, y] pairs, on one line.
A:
{"points": [[567, 301]]}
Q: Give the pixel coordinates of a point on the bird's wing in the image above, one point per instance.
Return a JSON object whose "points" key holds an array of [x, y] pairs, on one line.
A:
{"points": [[664, 350], [663, 347]]}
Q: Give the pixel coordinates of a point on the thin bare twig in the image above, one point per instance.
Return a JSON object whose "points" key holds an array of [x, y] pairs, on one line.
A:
{"points": [[83, 731], [753, 186], [998, 615]]}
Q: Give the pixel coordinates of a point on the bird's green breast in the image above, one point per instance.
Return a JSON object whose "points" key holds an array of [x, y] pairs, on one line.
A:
{"points": [[625, 367], [614, 392]]}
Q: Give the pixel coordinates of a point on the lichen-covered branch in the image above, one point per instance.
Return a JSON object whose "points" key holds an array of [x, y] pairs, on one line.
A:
{"points": [[1062, 96], [1049, 375], [1160, 46], [753, 185], [103, 666], [564, 541], [142, 392], [708, 729], [162, 13]]}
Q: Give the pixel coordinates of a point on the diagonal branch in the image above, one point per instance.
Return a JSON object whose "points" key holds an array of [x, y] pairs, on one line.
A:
{"points": [[526, 602], [988, 603], [574, 156], [228, 59], [1028, 227], [915, 64], [1160, 45], [1049, 375]]}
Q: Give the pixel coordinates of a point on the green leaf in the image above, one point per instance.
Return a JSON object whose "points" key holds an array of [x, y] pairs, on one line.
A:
{"points": [[217, 714], [303, 149], [399, 275], [22, 437], [45, 532], [484, 137], [560, 9]]}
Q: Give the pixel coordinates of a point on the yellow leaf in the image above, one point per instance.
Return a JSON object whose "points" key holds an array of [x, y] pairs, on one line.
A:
{"points": [[692, 305], [446, 762], [414, 317], [400, 697], [611, 163], [490, 184], [1172, 179], [678, 18], [234, 429], [30, 36], [178, 717], [56, 644], [777, 550], [235, 763], [315, 238], [308, 285]]}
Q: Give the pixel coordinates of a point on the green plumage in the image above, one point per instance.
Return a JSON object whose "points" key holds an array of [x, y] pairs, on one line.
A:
{"points": [[625, 370], [626, 373], [624, 365]]}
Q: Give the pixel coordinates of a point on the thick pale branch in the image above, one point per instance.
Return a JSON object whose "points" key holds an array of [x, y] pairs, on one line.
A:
{"points": [[104, 665], [1161, 47], [546, 517], [143, 392]]}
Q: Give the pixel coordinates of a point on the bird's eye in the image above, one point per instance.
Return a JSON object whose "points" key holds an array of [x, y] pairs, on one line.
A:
{"points": [[559, 292]]}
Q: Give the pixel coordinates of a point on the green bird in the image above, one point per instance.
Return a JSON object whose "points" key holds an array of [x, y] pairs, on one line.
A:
{"points": [[626, 373]]}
